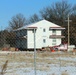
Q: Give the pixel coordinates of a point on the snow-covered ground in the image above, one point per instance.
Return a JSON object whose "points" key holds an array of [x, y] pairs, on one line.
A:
{"points": [[45, 65], [54, 70]]}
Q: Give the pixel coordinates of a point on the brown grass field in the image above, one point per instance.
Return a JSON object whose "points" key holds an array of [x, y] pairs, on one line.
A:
{"points": [[44, 60]]}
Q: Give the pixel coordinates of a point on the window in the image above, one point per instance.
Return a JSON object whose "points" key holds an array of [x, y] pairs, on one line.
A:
{"points": [[53, 42], [44, 41], [54, 32], [44, 30]]}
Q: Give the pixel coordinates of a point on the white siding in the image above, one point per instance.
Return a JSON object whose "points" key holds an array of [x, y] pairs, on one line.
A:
{"points": [[58, 32], [41, 36], [30, 41], [59, 41]]}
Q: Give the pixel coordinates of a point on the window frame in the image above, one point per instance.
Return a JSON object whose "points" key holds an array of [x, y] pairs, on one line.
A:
{"points": [[54, 41], [53, 31], [44, 40], [44, 30]]}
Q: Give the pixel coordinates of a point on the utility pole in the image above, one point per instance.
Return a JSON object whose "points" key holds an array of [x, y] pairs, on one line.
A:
{"points": [[68, 30]]}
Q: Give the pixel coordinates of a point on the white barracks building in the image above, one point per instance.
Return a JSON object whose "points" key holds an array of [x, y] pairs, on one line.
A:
{"points": [[46, 34]]}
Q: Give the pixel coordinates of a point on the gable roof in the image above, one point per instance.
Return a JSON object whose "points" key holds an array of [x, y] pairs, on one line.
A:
{"points": [[44, 23]]}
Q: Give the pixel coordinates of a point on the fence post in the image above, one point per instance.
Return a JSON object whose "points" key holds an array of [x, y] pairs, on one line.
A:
{"points": [[35, 51]]}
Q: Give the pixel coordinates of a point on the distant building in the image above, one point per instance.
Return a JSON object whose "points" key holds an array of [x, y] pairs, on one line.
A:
{"points": [[47, 34]]}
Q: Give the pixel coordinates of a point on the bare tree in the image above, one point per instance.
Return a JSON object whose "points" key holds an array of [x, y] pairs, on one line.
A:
{"points": [[74, 10], [73, 25], [56, 13], [34, 18], [3, 36], [17, 21]]}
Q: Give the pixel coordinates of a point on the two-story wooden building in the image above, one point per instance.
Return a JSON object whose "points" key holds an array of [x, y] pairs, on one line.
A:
{"points": [[47, 34]]}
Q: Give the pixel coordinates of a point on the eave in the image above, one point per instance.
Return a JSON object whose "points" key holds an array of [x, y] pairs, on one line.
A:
{"points": [[57, 28], [56, 36], [31, 28]]}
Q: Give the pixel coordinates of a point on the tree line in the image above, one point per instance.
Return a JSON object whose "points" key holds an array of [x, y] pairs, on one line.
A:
{"points": [[57, 13]]}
